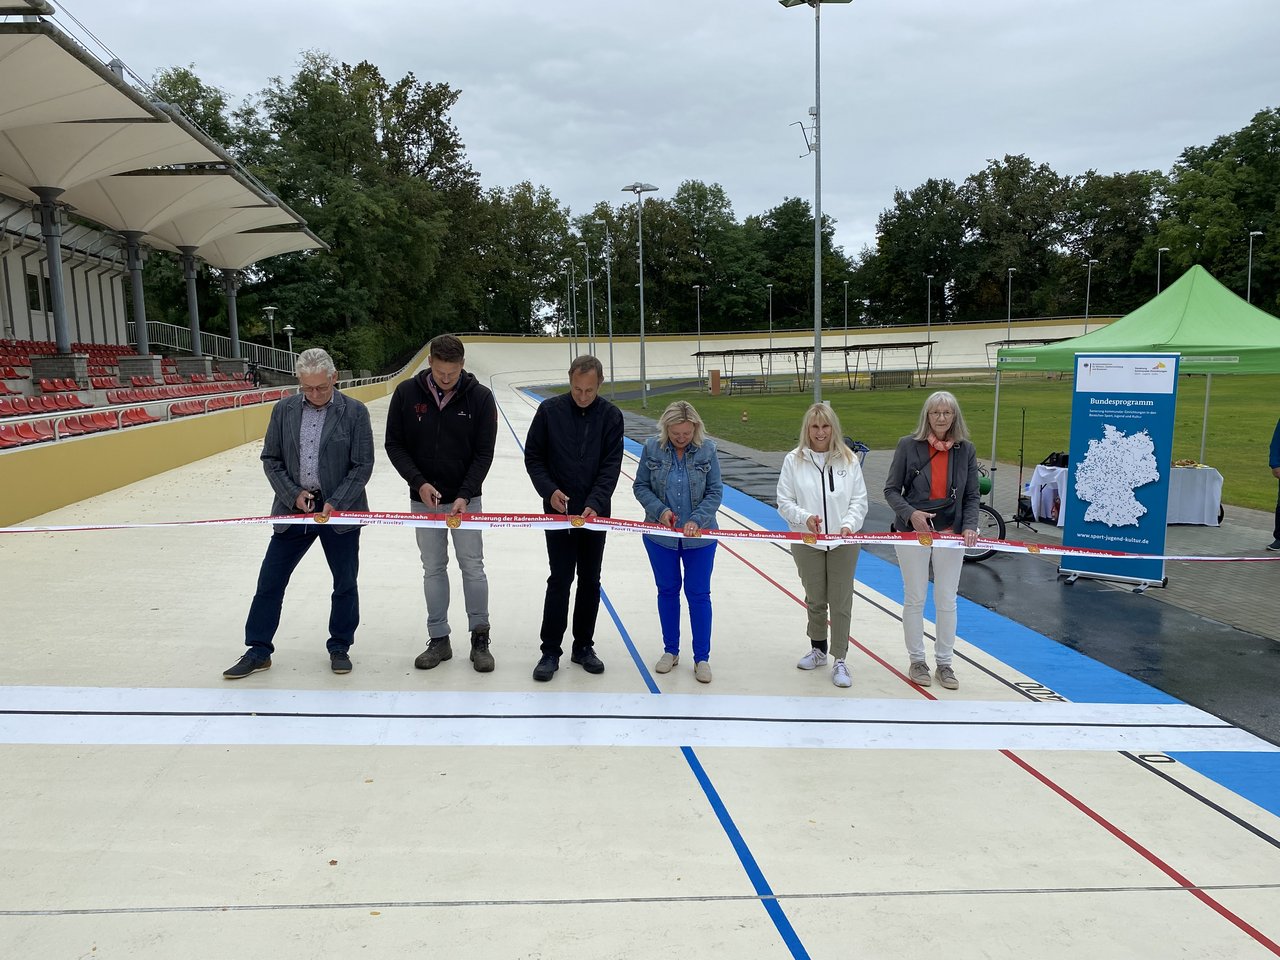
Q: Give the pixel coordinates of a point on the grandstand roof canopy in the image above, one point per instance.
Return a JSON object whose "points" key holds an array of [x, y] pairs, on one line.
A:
{"points": [[124, 160]]}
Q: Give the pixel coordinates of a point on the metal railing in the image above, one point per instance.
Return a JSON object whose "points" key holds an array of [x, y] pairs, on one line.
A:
{"points": [[214, 345]]}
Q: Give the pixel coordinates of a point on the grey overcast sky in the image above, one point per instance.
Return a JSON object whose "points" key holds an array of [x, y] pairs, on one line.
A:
{"points": [[584, 97]]}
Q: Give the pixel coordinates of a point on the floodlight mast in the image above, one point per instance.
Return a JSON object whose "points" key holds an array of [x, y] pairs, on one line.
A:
{"points": [[639, 188], [816, 112]]}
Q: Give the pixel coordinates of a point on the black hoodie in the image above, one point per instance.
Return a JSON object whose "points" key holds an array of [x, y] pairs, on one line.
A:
{"points": [[451, 449]]}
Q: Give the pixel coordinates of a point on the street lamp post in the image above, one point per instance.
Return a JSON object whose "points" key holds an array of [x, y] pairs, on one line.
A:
{"points": [[1248, 287], [1159, 254], [995, 419], [846, 318], [271, 322], [608, 279], [288, 332], [1088, 285], [698, 288], [928, 318], [591, 313], [1008, 323], [568, 297], [817, 186], [770, 286], [638, 189]]}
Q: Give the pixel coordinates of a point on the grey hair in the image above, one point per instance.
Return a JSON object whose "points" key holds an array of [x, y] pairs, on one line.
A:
{"points": [[947, 400], [680, 412], [827, 414], [587, 363], [315, 360]]}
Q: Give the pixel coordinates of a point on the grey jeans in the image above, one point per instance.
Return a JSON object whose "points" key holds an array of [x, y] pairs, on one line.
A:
{"points": [[468, 547]]}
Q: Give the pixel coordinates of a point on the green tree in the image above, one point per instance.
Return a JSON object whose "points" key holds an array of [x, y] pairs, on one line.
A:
{"points": [[1219, 194]]}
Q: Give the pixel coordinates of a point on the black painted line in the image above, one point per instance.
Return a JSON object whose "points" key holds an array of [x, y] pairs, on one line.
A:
{"points": [[607, 901], [846, 721], [1234, 818]]}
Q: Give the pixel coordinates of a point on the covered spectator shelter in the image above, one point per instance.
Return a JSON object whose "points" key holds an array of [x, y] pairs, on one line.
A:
{"points": [[77, 137]]}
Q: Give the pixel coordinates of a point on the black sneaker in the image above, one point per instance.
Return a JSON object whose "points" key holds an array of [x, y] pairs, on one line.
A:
{"points": [[588, 660], [339, 661], [481, 658], [437, 652], [546, 667], [246, 665], [1275, 545]]}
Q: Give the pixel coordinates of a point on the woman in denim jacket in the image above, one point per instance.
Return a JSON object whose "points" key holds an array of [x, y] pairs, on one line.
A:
{"points": [[678, 484]]}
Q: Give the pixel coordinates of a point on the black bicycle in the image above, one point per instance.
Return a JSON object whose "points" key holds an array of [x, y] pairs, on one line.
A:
{"points": [[990, 523]]}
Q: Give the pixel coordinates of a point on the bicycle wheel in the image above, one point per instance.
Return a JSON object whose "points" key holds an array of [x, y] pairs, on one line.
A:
{"points": [[990, 527]]}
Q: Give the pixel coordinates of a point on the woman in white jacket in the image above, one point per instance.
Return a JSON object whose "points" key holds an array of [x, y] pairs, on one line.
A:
{"points": [[821, 490]]}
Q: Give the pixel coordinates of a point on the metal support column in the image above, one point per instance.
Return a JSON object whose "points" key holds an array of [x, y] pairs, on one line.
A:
{"points": [[51, 229], [134, 250], [231, 284], [193, 306]]}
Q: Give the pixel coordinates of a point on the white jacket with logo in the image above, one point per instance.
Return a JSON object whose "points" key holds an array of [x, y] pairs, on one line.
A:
{"points": [[819, 485]]}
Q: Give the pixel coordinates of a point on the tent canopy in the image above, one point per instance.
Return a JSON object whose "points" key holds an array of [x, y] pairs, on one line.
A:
{"points": [[1196, 316]]}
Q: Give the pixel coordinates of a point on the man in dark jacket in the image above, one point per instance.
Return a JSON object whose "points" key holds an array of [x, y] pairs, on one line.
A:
{"points": [[441, 428], [573, 455], [318, 457]]}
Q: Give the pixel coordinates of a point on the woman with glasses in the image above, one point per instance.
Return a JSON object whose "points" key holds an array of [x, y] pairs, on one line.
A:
{"points": [[821, 490], [678, 484], [932, 487]]}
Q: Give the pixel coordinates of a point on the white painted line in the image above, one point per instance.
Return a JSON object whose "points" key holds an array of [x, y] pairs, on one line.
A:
{"points": [[101, 715]]}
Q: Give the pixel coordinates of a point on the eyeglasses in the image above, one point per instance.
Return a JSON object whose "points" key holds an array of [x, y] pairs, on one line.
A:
{"points": [[941, 414]]}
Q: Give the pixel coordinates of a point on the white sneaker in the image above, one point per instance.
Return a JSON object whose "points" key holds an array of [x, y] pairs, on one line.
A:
{"points": [[813, 659], [840, 675]]}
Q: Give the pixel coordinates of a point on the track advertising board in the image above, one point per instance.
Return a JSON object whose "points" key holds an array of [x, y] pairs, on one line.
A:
{"points": [[1121, 453]]}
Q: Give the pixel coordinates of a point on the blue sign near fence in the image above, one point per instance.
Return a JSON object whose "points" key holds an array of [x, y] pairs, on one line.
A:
{"points": [[1121, 454]]}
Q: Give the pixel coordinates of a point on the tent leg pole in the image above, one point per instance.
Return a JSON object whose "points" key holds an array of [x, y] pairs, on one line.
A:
{"points": [[995, 423], [1204, 425]]}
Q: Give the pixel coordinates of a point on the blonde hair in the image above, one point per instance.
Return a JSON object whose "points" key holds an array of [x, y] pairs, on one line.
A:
{"points": [[680, 412], [826, 414], [942, 398]]}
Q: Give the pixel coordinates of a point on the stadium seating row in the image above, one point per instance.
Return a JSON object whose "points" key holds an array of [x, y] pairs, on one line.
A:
{"points": [[57, 385], [146, 394], [26, 406], [224, 402], [39, 431]]}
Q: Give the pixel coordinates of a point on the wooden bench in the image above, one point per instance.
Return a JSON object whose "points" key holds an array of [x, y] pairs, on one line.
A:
{"points": [[746, 385], [892, 378]]}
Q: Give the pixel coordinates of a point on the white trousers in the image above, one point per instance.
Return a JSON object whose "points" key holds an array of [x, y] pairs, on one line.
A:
{"points": [[914, 561]]}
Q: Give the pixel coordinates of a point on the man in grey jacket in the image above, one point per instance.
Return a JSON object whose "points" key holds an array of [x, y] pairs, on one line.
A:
{"points": [[318, 456]]}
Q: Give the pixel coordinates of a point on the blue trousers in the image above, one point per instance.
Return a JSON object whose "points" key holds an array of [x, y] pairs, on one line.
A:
{"points": [[695, 564], [284, 552]]}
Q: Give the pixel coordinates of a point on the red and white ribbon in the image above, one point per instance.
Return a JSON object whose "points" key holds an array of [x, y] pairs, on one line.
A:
{"points": [[544, 521]]}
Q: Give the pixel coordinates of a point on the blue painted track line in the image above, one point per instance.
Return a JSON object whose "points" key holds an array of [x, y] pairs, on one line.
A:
{"points": [[745, 857]]}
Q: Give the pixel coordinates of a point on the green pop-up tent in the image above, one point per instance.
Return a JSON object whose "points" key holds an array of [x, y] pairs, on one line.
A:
{"points": [[1214, 330]]}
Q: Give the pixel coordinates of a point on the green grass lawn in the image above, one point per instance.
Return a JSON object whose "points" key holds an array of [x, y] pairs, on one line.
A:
{"points": [[1242, 416]]}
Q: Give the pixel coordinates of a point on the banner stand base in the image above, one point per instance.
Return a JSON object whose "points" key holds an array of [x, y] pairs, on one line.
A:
{"points": [[1142, 582]]}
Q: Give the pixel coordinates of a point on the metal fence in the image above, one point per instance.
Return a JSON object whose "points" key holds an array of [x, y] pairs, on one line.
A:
{"points": [[214, 345]]}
